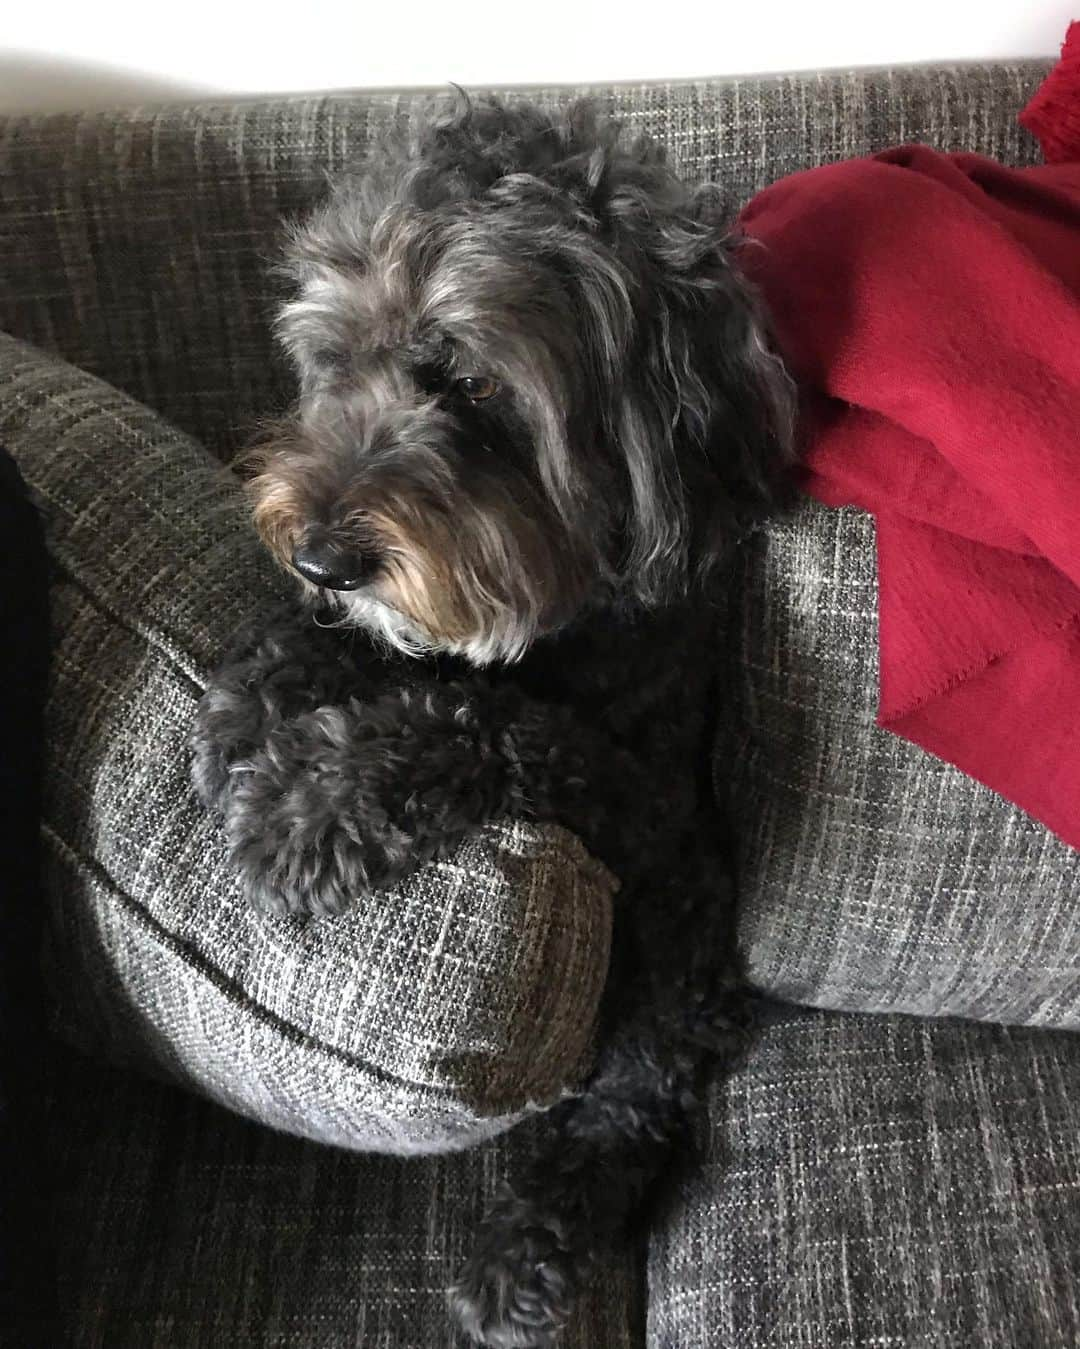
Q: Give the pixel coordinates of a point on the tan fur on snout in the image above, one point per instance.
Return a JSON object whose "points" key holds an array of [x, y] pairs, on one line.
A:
{"points": [[469, 578], [275, 486], [471, 574], [418, 580], [276, 516]]}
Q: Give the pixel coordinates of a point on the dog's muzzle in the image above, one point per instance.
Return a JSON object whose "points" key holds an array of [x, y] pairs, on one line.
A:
{"points": [[323, 562]]}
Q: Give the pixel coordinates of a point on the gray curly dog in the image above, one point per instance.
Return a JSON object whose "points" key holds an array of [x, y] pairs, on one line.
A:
{"points": [[537, 408]]}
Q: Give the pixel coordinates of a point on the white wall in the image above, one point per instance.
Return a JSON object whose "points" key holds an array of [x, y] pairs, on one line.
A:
{"points": [[78, 53]]}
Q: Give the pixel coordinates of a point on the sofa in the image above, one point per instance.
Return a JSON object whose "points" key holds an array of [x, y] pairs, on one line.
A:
{"points": [[264, 1132]]}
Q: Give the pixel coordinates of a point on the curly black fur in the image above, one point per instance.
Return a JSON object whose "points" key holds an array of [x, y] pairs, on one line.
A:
{"points": [[643, 424], [338, 770]]}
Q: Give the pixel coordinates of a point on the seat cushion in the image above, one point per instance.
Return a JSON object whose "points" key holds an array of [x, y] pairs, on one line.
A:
{"points": [[872, 876], [425, 1018], [880, 1181], [178, 1226]]}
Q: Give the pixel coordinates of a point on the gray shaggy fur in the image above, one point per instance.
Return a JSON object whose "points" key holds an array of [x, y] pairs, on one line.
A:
{"points": [[537, 408]]}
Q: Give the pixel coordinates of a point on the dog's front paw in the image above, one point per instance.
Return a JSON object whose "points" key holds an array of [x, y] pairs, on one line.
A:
{"points": [[286, 872], [284, 667], [346, 799], [290, 861], [518, 1286], [307, 829]]}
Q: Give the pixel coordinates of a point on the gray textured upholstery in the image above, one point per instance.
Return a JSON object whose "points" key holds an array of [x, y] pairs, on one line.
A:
{"points": [[890, 1183], [135, 244], [178, 1226], [425, 1018], [871, 875], [866, 1181], [880, 1181]]}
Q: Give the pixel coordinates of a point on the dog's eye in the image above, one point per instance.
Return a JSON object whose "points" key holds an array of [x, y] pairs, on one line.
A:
{"points": [[332, 358], [477, 388]]}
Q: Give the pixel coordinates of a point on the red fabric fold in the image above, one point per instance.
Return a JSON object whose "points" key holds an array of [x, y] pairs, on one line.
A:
{"points": [[1053, 115], [928, 305]]}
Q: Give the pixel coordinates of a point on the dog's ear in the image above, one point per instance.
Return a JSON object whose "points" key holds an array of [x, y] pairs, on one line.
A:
{"points": [[702, 412]]}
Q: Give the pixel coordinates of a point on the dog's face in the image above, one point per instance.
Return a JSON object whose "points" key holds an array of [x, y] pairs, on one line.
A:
{"points": [[531, 382]]}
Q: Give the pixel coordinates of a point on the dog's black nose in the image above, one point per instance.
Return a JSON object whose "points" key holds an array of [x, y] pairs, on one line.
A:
{"points": [[326, 563]]}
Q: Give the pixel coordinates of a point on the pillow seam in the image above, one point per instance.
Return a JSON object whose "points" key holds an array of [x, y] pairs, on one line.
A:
{"points": [[203, 966]]}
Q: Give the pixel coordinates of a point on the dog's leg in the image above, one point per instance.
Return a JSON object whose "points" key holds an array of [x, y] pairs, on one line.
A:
{"points": [[277, 670], [342, 800], [683, 1011]]}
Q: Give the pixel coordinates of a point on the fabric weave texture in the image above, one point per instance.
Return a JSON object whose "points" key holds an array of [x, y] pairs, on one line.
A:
{"points": [[426, 1017], [870, 1181], [880, 1181]]}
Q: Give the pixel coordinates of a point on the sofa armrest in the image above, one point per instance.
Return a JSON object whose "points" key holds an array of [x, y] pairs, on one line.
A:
{"points": [[427, 1017]]}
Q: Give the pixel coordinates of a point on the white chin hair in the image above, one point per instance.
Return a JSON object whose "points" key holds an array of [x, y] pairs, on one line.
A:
{"points": [[361, 609]]}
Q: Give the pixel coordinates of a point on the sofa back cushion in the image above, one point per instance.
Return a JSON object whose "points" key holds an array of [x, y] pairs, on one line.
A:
{"points": [[872, 876], [136, 244]]}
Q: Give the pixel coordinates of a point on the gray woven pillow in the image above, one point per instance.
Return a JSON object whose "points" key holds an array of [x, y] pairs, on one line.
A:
{"points": [[873, 876], [424, 1019]]}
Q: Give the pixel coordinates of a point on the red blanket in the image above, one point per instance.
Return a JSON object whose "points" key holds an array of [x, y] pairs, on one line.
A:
{"points": [[928, 304]]}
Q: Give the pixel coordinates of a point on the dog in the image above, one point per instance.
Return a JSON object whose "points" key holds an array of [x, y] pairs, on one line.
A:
{"points": [[538, 407]]}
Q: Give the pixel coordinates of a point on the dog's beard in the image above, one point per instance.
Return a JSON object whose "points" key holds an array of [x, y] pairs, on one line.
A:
{"points": [[396, 631], [480, 573], [443, 595]]}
